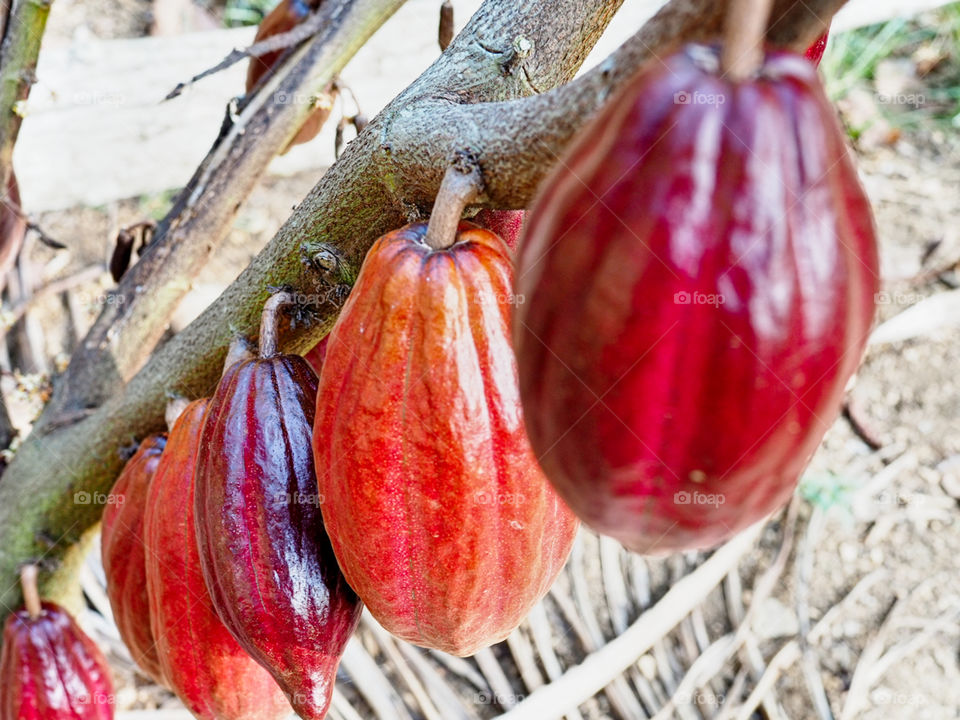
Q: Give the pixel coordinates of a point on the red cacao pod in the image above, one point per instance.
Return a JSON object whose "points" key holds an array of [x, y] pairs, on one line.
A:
{"points": [[122, 552], [815, 52], [438, 513], [316, 355], [686, 338], [50, 669], [283, 18], [201, 662], [266, 558], [508, 224]]}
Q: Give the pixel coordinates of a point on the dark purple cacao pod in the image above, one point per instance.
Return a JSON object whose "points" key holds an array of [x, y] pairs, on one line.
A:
{"points": [[266, 558]]}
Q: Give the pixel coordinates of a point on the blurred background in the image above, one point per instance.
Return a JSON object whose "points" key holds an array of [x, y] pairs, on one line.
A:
{"points": [[848, 605]]}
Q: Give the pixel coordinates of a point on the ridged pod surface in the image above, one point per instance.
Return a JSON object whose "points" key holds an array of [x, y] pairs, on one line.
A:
{"points": [[122, 553], [699, 274], [201, 662], [266, 558], [438, 513], [50, 669]]}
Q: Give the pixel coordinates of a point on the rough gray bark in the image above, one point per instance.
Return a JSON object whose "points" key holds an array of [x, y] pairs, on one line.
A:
{"points": [[387, 176]]}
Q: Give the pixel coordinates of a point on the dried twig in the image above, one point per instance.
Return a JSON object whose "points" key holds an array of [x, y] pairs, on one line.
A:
{"points": [[600, 668], [310, 26], [83, 276]]}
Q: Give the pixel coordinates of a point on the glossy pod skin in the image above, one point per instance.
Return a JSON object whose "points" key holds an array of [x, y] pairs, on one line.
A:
{"points": [[200, 660], [438, 513], [814, 53], [50, 669], [122, 553], [266, 559], [685, 343]]}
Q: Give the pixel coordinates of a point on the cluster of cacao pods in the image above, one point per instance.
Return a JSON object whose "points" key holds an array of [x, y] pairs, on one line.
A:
{"points": [[664, 364]]}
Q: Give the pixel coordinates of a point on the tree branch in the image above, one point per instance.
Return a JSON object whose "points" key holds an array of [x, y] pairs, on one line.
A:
{"points": [[130, 326], [18, 63], [388, 175]]}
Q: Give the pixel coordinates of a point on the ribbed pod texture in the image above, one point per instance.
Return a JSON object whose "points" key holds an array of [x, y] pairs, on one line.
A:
{"points": [[699, 274], [438, 513], [200, 660], [265, 555], [122, 553], [50, 669]]}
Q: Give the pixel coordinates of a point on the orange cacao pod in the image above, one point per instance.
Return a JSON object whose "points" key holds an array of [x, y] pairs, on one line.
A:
{"points": [[122, 552], [437, 511], [201, 662]]}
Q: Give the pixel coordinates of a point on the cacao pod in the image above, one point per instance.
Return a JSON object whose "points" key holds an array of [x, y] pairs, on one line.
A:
{"points": [[437, 511], [266, 558], [316, 355], [50, 669], [508, 224], [686, 339], [200, 660], [283, 18], [815, 52], [122, 552]]}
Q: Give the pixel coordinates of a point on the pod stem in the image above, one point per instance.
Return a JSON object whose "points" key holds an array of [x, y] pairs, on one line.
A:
{"points": [[461, 186], [31, 594], [745, 28], [269, 321]]}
